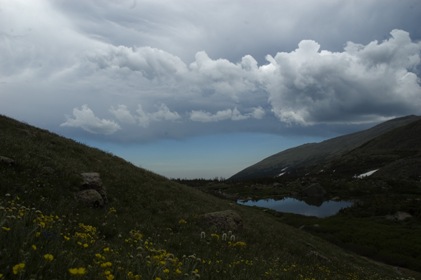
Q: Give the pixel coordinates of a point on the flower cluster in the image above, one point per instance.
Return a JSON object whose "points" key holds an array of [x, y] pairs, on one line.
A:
{"points": [[49, 246]]}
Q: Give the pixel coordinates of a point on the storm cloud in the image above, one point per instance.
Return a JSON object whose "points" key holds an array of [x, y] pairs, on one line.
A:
{"points": [[140, 70]]}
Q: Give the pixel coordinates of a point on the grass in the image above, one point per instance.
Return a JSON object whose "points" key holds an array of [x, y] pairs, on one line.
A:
{"points": [[151, 228], [40, 245], [391, 242], [367, 228]]}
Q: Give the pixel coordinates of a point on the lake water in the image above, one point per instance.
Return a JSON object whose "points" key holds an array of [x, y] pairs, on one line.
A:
{"points": [[295, 206]]}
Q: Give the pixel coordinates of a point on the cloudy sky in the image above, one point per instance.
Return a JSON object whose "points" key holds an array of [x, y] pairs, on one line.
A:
{"points": [[193, 89]]}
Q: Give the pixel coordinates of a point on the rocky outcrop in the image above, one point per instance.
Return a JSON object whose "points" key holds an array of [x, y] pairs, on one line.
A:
{"points": [[6, 160], [92, 192], [92, 180], [222, 220], [90, 198]]}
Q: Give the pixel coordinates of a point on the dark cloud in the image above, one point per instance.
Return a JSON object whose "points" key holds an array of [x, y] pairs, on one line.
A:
{"points": [[142, 70]]}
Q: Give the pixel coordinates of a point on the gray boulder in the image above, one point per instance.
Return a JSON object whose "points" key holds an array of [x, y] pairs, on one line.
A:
{"points": [[223, 220], [90, 198], [92, 180]]}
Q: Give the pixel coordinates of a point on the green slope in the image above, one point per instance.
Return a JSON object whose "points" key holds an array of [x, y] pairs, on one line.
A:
{"points": [[317, 153], [150, 229]]}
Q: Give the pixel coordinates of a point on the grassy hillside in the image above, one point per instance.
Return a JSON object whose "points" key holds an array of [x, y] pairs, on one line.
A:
{"points": [[151, 228], [397, 154], [385, 221], [317, 153]]}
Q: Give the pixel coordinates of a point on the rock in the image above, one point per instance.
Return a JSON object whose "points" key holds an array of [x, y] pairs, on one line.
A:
{"points": [[92, 180], [90, 198], [314, 190], [223, 220], [400, 216], [6, 160]]}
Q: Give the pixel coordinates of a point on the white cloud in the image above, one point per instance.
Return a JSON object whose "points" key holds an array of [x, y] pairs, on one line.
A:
{"points": [[228, 114], [309, 86], [258, 113], [162, 114], [123, 114], [86, 119]]}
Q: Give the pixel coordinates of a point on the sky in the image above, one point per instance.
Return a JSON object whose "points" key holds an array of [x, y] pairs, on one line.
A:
{"points": [[204, 89]]}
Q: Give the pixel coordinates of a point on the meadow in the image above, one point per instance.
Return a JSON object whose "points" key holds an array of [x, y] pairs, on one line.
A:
{"points": [[151, 227], [37, 245]]}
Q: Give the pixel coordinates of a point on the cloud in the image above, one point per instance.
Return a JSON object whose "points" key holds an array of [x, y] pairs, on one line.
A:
{"points": [[179, 70], [142, 118], [162, 114], [151, 63], [307, 86], [257, 113], [86, 119], [310, 86], [228, 114], [123, 114]]}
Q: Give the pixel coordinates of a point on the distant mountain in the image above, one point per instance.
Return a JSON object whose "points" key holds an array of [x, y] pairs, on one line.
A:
{"points": [[314, 154]]}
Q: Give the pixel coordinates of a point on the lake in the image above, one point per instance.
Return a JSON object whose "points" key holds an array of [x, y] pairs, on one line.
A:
{"points": [[295, 206]]}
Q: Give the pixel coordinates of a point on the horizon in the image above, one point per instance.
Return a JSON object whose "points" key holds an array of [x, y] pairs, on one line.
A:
{"points": [[205, 89]]}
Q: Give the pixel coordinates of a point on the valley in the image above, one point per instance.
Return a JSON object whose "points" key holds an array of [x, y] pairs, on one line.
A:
{"points": [[130, 223], [381, 175]]}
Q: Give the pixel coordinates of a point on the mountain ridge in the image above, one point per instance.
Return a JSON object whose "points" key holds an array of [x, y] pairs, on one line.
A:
{"points": [[315, 153]]}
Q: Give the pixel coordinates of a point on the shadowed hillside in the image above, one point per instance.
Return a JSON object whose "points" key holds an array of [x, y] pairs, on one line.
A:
{"points": [[317, 153], [395, 154], [134, 224]]}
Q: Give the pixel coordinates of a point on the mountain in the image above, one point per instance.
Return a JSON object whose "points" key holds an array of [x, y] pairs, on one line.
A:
{"points": [[312, 154], [140, 225], [394, 154]]}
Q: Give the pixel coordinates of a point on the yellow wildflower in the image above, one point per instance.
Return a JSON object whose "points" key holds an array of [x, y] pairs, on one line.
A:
{"points": [[108, 275], [18, 268], [214, 235], [107, 249], [182, 222], [131, 275], [196, 273], [166, 271], [77, 271], [99, 256], [48, 257], [106, 264], [5, 228], [34, 247], [239, 244]]}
